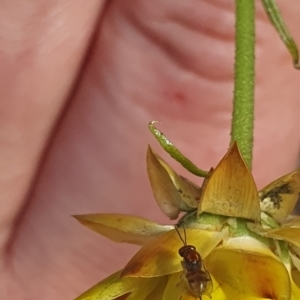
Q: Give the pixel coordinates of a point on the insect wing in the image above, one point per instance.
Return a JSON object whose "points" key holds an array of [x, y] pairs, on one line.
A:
{"points": [[198, 278], [208, 285], [200, 283]]}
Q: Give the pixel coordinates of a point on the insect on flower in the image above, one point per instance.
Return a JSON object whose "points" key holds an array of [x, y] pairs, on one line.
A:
{"points": [[195, 272]]}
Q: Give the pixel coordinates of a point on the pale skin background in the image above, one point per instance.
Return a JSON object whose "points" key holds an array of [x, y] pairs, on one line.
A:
{"points": [[80, 80]]}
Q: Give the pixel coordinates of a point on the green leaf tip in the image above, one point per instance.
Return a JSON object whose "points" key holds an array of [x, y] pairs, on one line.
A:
{"points": [[277, 21], [174, 152]]}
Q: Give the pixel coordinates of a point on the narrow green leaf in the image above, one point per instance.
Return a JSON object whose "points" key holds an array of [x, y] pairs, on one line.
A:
{"points": [[276, 19], [174, 152]]}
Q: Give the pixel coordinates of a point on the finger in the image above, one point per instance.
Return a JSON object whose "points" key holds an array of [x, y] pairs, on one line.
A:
{"points": [[42, 47], [144, 56]]}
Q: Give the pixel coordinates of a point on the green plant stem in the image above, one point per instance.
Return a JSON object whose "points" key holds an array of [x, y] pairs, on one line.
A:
{"points": [[276, 19], [243, 101], [174, 152]]}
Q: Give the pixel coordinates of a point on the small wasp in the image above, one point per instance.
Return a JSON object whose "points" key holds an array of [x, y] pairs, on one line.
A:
{"points": [[195, 272]]}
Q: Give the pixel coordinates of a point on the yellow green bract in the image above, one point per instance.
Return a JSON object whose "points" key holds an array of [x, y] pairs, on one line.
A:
{"points": [[230, 190], [248, 241]]}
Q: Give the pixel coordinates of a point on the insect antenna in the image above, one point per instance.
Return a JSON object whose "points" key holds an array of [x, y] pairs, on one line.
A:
{"points": [[183, 240]]}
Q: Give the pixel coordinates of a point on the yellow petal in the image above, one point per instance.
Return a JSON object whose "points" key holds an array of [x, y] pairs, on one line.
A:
{"points": [[166, 195], [123, 297], [225, 292], [295, 250], [189, 192], [158, 292], [295, 290], [295, 260], [175, 287], [123, 228], [152, 289], [250, 244], [288, 234], [280, 197], [230, 190], [160, 257], [291, 221], [112, 287], [250, 268], [295, 276]]}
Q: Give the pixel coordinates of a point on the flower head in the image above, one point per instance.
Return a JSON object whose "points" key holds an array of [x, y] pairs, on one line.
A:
{"points": [[233, 242]]}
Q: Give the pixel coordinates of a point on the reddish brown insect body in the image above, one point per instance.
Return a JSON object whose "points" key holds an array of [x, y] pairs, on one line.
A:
{"points": [[197, 276]]}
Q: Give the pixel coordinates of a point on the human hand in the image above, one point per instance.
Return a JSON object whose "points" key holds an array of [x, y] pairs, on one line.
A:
{"points": [[79, 84]]}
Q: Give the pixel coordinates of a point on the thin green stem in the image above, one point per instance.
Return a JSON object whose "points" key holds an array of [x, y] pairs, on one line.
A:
{"points": [[243, 102], [174, 152], [276, 19]]}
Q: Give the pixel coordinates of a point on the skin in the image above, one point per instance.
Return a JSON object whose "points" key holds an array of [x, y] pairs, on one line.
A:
{"points": [[79, 84]]}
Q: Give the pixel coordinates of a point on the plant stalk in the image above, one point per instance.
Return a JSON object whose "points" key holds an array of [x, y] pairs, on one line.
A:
{"points": [[243, 101]]}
